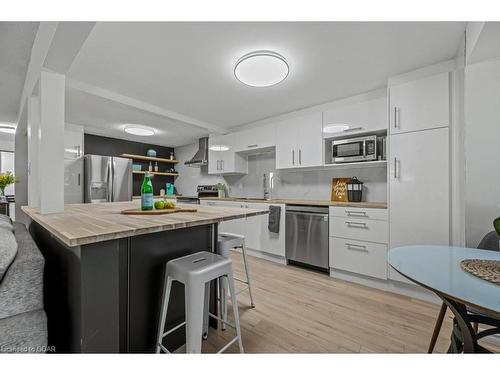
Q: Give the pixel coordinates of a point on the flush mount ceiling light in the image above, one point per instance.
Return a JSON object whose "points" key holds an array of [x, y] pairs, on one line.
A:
{"points": [[261, 68], [218, 148], [142, 131], [335, 128], [7, 128]]}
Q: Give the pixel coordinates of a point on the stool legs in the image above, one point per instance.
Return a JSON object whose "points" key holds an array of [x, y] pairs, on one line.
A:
{"points": [[206, 311], [230, 280], [163, 313], [244, 252], [223, 287], [195, 306]]}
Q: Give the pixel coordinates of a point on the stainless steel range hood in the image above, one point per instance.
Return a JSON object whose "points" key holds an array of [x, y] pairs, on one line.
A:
{"points": [[201, 157]]}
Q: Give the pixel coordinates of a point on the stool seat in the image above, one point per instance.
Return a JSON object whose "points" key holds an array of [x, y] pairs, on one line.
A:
{"points": [[203, 266], [227, 241]]}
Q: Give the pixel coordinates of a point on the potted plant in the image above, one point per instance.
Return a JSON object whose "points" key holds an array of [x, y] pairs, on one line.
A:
{"points": [[6, 179]]}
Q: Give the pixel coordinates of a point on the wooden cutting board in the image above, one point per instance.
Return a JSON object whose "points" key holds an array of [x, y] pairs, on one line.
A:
{"points": [[163, 211]]}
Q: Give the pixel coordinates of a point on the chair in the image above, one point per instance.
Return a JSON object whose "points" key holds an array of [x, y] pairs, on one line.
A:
{"points": [[490, 241]]}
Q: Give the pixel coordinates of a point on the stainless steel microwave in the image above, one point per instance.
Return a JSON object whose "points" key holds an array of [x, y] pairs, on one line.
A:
{"points": [[354, 149]]}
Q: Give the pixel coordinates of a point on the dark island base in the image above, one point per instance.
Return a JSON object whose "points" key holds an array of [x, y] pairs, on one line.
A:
{"points": [[105, 297]]}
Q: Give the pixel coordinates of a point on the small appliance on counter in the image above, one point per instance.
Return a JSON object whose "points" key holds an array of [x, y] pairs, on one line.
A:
{"points": [[354, 190]]}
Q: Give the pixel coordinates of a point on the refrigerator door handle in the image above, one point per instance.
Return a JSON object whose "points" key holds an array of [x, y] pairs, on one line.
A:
{"points": [[109, 175]]}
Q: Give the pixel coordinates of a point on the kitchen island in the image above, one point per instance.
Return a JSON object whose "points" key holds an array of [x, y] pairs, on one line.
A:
{"points": [[104, 271]]}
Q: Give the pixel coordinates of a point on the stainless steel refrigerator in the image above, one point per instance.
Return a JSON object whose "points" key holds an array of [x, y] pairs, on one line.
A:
{"points": [[107, 179]]}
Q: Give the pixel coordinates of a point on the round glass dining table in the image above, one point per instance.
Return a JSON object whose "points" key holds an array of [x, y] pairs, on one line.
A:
{"points": [[438, 269]]}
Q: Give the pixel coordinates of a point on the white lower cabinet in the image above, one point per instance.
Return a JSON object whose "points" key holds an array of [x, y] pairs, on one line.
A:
{"points": [[254, 228], [366, 258], [358, 244]]}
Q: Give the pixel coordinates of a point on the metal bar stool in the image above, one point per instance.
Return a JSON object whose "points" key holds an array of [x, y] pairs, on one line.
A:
{"points": [[226, 242], [196, 271]]}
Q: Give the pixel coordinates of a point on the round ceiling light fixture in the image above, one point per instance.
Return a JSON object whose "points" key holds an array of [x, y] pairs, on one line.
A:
{"points": [[142, 131], [261, 69], [336, 128], [218, 148], [7, 128]]}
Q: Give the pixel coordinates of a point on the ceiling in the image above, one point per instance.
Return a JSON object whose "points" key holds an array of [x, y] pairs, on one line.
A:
{"points": [[16, 40], [106, 117], [188, 67]]}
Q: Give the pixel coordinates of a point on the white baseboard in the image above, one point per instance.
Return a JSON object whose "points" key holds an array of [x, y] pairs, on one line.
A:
{"points": [[413, 291], [263, 255]]}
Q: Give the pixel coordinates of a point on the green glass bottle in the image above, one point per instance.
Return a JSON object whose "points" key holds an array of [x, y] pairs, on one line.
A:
{"points": [[147, 193]]}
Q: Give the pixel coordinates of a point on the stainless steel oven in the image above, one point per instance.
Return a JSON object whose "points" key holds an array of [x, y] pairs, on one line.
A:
{"points": [[354, 149]]}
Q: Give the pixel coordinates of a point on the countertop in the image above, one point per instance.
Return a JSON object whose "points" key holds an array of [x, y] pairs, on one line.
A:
{"points": [[304, 202], [86, 223]]}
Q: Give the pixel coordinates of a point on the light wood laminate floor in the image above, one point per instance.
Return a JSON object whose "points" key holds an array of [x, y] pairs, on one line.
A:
{"points": [[302, 311]]}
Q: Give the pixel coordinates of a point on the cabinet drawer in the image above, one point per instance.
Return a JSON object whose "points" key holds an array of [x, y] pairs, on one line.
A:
{"points": [[359, 229], [366, 258], [359, 213]]}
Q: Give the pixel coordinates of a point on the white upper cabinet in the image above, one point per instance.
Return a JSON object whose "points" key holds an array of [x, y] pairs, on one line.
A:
{"points": [[255, 138], [222, 158], [352, 118], [299, 142], [73, 142], [419, 105]]}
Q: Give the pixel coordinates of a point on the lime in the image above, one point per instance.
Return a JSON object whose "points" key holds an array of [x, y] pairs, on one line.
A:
{"points": [[159, 205]]}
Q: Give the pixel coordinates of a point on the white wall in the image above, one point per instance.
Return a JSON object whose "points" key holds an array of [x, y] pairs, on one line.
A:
{"points": [[482, 148], [190, 177], [6, 142], [290, 184]]}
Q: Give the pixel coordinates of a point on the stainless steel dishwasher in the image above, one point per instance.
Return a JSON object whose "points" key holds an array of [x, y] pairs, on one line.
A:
{"points": [[306, 240]]}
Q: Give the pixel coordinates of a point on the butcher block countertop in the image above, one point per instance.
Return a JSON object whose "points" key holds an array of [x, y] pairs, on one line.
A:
{"points": [[82, 224], [304, 202]]}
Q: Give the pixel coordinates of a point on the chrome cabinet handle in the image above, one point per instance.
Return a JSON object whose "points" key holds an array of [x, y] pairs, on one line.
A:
{"points": [[252, 146], [78, 179], [395, 168], [354, 246], [356, 213], [217, 164], [300, 156], [293, 157], [396, 117], [355, 224], [222, 165], [364, 148], [78, 151]]}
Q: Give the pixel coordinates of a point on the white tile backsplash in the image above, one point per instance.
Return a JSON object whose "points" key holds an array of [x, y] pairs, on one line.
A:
{"points": [[288, 184]]}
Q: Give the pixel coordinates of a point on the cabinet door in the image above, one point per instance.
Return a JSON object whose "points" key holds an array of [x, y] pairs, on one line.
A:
{"points": [[73, 181], [255, 138], [215, 156], [237, 226], [259, 236], [419, 189], [369, 115], [310, 141], [419, 105], [73, 144], [286, 144]]}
